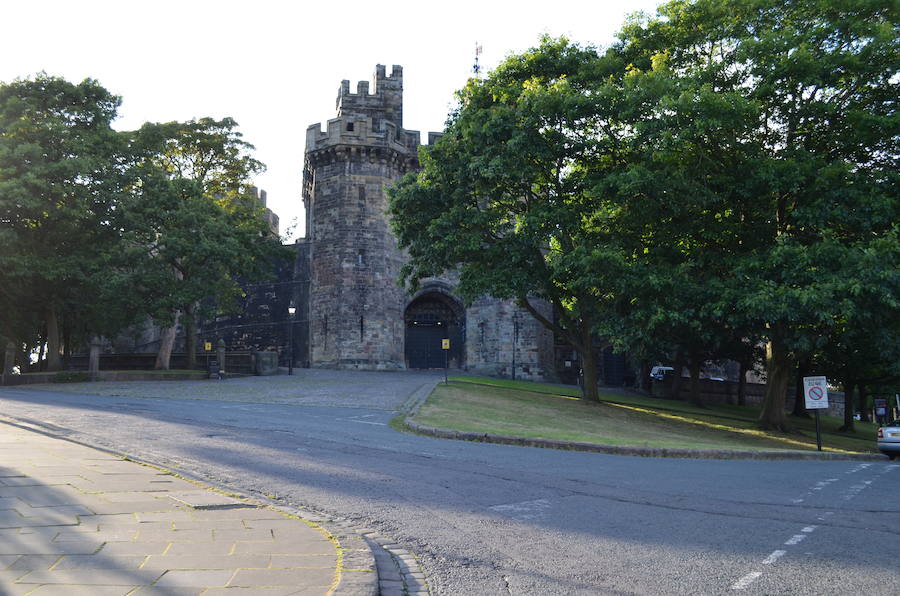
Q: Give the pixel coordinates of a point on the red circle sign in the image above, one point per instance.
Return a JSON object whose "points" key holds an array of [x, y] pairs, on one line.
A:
{"points": [[816, 393]]}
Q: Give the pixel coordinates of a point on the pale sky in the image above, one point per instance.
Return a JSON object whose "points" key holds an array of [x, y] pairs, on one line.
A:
{"points": [[275, 67]]}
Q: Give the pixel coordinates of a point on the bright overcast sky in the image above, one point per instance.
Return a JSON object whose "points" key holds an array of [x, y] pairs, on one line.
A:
{"points": [[275, 67]]}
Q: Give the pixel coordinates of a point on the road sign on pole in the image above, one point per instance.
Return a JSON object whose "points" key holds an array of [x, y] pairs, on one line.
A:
{"points": [[816, 391]]}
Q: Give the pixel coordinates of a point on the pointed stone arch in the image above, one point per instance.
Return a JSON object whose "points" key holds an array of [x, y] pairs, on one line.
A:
{"points": [[434, 314]]}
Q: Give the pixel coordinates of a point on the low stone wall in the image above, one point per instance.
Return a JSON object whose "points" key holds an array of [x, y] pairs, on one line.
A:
{"points": [[103, 375], [236, 362]]}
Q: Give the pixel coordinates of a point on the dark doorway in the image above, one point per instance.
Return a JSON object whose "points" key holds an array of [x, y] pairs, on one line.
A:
{"points": [[431, 318]]}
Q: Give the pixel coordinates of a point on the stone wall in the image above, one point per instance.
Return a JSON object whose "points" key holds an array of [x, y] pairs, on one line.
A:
{"points": [[262, 322], [500, 335]]}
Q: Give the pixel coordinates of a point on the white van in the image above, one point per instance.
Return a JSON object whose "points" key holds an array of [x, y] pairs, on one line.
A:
{"points": [[659, 372]]}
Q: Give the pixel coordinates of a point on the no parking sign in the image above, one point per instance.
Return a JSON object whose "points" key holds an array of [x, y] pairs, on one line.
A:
{"points": [[816, 391]]}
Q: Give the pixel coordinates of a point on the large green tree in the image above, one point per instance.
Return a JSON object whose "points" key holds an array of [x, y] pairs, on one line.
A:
{"points": [[60, 178], [817, 181], [505, 196], [192, 226]]}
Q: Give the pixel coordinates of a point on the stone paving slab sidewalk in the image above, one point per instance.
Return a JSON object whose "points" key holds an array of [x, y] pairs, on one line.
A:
{"points": [[79, 521]]}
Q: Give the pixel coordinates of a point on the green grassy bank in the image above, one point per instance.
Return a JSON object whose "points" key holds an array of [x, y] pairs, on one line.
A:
{"points": [[534, 410]]}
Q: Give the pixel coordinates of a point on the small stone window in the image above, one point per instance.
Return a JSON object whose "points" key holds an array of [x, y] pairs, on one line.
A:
{"points": [[350, 127]]}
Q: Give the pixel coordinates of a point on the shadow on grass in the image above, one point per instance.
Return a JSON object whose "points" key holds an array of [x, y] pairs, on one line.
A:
{"points": [[715, 422]]}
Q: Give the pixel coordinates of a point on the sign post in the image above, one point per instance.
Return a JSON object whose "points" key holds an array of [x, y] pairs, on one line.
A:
{"points": [[445, 345], [815, 389], [880, 409], [207, 347]]}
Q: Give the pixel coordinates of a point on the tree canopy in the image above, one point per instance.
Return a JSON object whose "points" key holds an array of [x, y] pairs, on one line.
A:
{"points": [[812, 198], [60, 179], [725, 173], [191, 223], [504, 196], [102, 229]]}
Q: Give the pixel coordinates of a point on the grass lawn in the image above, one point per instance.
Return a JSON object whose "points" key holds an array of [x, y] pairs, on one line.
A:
{"points": [[534, 410]]}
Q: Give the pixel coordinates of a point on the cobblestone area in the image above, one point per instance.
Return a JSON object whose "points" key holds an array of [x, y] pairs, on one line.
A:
{"points": [[307, 387]]}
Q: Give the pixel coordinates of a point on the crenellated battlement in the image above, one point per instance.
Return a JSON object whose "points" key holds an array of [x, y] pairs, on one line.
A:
{"points": [[354, 130], [385, 103], [367, 128], [369, 118]]}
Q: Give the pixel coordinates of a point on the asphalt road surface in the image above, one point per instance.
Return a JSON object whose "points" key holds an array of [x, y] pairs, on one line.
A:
{"points": [[491, 519]]}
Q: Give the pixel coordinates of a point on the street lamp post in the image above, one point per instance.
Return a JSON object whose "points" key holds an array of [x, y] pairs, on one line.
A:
{"points": [[291, 311]]}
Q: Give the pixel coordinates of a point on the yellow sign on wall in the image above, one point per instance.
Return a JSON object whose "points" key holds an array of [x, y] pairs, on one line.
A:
{"points": [[445, 344], [207, 345]]}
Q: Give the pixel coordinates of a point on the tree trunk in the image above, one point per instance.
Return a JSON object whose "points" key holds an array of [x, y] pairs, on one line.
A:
{"points": [[799, 398], [9, 359], [742, 384], [66, 342], [190, 344], [696, 398], [643, 381], [863, 403], [676, 376], [849, 386], [23, 357], [166, 343], [53, 361], [778, 372], [94, 358], [589, 374]]}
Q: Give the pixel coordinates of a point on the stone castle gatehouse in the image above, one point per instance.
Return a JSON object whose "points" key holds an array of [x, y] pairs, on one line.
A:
{"points": [[350, 312], [356, 314]]}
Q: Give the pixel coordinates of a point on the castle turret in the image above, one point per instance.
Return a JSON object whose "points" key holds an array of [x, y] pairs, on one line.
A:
{"points": [[385, 104], [356, 306]]}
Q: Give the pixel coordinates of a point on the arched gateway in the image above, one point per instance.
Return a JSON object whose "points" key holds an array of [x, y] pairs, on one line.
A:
{"points": [[431, 317]]}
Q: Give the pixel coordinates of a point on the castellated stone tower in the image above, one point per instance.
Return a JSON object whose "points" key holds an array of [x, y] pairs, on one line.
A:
{"points": [[358, 317], [355, 306]]}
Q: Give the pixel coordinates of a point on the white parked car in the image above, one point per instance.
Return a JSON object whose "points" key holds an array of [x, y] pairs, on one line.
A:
{"points": [[659, 372], [889, 439]]}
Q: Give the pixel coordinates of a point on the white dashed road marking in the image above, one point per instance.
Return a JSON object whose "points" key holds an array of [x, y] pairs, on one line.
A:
{"points": [[744, 582], [523, 511], [773, 557], [848, 494]]}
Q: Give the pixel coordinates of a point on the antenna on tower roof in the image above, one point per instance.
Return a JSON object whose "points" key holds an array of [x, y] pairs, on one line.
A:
{"points": [[477, 68]]}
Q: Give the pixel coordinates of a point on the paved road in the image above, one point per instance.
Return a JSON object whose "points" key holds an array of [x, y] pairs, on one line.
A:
{"points": [[490, 519]]}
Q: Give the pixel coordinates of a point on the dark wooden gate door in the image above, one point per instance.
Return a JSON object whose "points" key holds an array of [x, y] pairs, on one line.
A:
{"points": [[423, 346]]}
